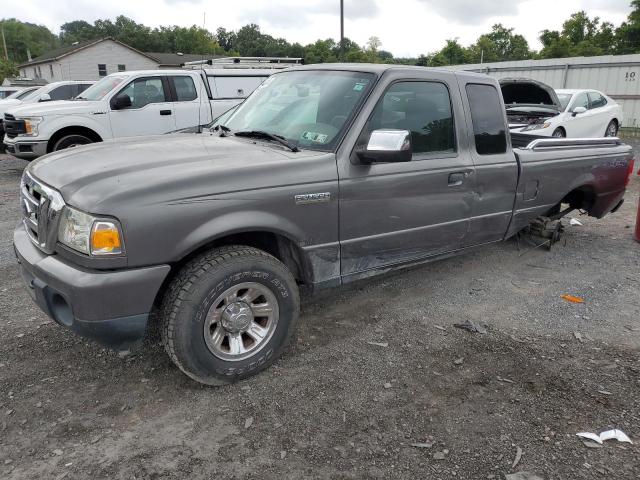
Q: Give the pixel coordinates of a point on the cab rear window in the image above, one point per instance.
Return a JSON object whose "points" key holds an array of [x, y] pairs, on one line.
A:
{"points": [[487, 116]]}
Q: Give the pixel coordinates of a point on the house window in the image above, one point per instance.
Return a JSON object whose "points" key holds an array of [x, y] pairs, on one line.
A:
{"points": [[51, 70], [121, 67], [102, 70]]}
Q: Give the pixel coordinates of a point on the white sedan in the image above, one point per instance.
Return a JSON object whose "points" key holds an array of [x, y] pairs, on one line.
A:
{"points": [[582, 114]]}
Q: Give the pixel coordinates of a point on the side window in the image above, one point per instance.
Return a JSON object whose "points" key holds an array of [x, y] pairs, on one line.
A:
{"points": [[185, 89], [102, 70], [82, 87], [144, 91], [64, 92], [580, 100], [122, 67], [487, 116], [596, 100], [423, 108]]}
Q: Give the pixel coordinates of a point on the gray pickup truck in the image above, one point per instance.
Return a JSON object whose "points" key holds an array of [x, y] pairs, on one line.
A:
{"points": [[324, 175]]}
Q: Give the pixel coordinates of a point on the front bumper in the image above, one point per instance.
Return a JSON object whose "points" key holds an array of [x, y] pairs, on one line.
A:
{"points": [[111, 307], [25, 149]]}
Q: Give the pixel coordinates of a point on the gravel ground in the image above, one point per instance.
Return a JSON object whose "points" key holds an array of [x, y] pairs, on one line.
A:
{"points": [[427, 400]]}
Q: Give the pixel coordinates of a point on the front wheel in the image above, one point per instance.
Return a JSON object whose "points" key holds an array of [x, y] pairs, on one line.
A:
{"points": [[229, 314], [559, 133], [612, 129], [69, 141]]}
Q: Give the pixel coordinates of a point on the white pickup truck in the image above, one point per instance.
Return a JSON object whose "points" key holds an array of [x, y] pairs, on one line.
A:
{"points": [[132, 104]]}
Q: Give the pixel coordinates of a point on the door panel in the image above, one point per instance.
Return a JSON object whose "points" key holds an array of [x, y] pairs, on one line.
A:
{"points": [[496, 165], [151, 112], [392, 213], [189, 108], [579, 126]]}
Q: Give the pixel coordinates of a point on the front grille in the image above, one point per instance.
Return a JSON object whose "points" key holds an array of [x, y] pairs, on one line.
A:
{"points": [[41, 207], [13, 127]]}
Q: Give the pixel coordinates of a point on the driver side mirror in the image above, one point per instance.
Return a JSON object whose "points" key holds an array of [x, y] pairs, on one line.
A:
{"points": [[45, 97], [121, 101], [387, 146], [578, 111]]}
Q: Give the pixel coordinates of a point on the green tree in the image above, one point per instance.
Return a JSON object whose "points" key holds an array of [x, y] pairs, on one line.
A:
{"points": [[7, 69], [628, 34], [579, 27], [25, 38]]}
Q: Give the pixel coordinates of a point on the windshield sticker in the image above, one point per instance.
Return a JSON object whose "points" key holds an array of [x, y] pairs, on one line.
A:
{"points": [[359, 86], [315, 137]]}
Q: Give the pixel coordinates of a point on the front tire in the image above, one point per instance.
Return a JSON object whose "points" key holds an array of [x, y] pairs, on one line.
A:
{"points": [[69, 141], [612, 129], [559, 133], [229, 314]]}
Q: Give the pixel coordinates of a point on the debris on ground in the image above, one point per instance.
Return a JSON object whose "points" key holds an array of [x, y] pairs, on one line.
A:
{"points": [[438, 456], [471, 326], [522, 476], [440, 327], [248, 422], [516, 460], [505, 380], [422, 445], [572, 299], [387, 385], [614, 434], [458, 361], [578, 336], [379, 344], [574, 222]]}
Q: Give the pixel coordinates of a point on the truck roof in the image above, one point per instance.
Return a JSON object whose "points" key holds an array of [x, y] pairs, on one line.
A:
{"points": [[379, 68]]}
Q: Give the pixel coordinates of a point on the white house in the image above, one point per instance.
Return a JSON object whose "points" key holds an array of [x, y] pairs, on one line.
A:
{"points": [[94, 59]]}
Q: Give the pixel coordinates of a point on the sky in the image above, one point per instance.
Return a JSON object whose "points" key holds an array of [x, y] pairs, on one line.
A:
{"points": [[405, 27]]}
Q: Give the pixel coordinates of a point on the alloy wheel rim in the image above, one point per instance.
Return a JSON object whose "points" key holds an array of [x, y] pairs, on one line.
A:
{"points": [[612, 131], [241, 321]]}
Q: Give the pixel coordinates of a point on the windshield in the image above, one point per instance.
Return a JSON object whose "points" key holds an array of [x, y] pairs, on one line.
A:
{"points": [[308, 108], [33, 95], [22, 94], [564, 98], [6, 93], [98, 90]]}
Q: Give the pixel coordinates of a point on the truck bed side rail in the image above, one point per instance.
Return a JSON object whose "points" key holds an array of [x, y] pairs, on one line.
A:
{"points": [[572, 143]]}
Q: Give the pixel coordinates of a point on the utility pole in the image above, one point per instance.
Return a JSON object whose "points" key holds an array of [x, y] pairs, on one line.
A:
{"points": [[4, 43], [341, 29]]}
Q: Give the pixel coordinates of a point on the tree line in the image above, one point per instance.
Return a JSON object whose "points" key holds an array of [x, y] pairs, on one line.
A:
{"points": [[581, 35]]}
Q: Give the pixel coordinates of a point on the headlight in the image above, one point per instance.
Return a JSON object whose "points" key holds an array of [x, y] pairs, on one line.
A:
{"points": [[87, 234], [31, 125], [536, 126]]}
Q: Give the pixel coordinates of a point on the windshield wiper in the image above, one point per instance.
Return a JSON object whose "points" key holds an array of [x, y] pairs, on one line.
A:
{"points": [[270, 136]]}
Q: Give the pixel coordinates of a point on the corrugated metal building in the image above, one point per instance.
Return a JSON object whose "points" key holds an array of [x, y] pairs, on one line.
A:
{"points": [[616, 75]]}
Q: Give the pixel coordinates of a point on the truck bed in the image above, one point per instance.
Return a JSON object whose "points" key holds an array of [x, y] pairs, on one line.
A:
{"points": [[591, 172]]}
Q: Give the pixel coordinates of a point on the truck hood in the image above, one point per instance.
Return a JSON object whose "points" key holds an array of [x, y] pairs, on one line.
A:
{"points": [[522, 93], [162, 169], [8, 104], [57, 107]]}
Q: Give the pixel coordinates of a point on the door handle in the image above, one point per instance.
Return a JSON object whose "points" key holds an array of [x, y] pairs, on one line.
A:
{"points": [[165, 112], [456, 179]]}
